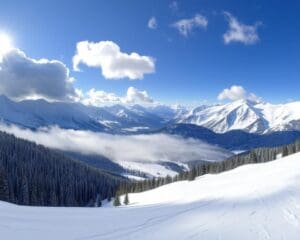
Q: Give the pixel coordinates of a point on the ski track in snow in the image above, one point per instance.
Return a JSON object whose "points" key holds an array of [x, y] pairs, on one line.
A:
{"points": [[260, 202]]}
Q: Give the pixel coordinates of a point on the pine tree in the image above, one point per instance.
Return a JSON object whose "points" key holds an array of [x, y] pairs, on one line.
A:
{"points": [[24, 192], [4, 194], [253, 157], [192, 174], [117, 200], [98, 202], [285, 151], [297, 146], [126, 200]]}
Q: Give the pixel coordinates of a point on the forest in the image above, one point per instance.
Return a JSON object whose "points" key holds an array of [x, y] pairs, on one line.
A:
{"points": [[31, 174]]}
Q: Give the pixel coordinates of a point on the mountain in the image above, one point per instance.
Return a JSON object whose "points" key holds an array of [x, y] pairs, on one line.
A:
{"points": [[40, 113], [135, 118], [113, 119], [246, 115], [167, 112], [232, 140], [257, 201]]}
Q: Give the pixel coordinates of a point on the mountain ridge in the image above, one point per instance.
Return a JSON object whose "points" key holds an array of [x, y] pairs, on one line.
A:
{"points": [[249, 116]]}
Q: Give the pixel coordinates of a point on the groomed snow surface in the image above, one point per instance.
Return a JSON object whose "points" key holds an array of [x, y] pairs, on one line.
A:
{"points": [[259, 201]]}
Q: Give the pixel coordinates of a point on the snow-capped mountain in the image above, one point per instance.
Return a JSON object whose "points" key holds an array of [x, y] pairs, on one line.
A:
{"points": [[246, 115], [250, 116], [134, 118], [40, 113]]}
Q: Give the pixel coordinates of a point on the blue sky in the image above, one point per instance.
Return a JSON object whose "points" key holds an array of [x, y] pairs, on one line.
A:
{"points": [[188, 69]]}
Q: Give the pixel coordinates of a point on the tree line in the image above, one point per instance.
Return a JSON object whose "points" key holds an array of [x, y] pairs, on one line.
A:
{"points": [[258, 155]]}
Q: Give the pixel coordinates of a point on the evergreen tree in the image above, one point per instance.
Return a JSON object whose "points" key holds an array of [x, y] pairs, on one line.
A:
{"points": [[4, 194], [24, 191], [285, 151], [98, 202], [192, 174], [253, 157], [297, 146], [126, 199], [117, 200]]}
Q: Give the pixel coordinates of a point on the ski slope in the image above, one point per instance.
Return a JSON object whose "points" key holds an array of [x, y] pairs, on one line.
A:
{"points": [[259, 201]]}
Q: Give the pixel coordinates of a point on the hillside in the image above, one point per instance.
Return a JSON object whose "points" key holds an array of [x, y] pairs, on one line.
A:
{"points": [[258, 201], [31, 174]]}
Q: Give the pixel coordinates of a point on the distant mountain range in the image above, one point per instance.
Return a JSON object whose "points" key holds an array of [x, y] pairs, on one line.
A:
{"points": [[245, 115], [113, 119]]}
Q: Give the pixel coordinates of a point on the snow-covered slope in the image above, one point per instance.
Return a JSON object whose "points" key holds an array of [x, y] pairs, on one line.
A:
{"points": [[250, 116], [280, 117], [258, 201]]}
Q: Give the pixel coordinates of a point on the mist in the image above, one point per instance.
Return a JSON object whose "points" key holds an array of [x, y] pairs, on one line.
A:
{"points": [[121, 148]]}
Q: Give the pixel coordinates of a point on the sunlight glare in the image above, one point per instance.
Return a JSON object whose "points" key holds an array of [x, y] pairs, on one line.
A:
{"points": [[5, 44]]}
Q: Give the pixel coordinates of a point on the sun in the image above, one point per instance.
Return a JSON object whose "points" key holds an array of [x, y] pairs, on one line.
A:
{"points": [[5, 43]]}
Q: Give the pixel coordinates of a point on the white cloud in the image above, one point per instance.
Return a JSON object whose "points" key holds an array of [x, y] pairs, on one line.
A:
{"points": [[237, 93], [185, 26], [22, 77], [99, 98], [114, 64], [121, 148], [134, 95], [239, 32], [152, 23]]}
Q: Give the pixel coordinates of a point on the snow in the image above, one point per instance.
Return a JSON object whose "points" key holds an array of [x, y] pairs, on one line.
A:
{"points": [[135, 129], [254, 117], [250, 116], [260, 201], [237, 152], [281, 117], [40, 113], [133, 177]]}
